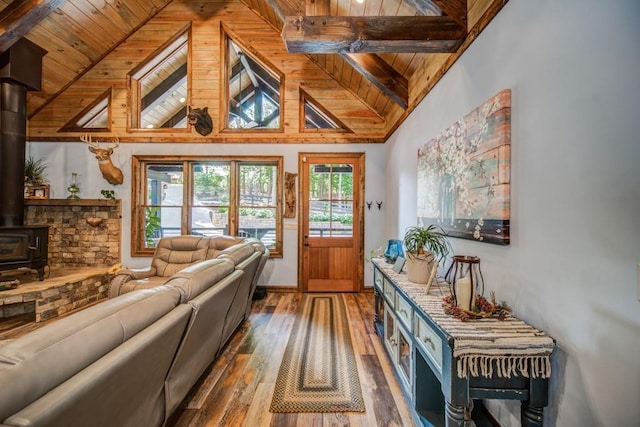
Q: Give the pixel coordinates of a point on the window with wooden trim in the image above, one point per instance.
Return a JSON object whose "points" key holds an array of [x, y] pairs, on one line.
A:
{"points": [[159, 87], [252, 88], [314, 117], [209, 196], [96, 117]]}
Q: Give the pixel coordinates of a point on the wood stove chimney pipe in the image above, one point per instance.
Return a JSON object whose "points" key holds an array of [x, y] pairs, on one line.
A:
{"points": [[20, 71]]}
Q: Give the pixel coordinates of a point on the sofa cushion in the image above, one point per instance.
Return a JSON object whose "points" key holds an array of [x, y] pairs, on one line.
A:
{"points": [[175, 253], [197, 278], [43, 359]]}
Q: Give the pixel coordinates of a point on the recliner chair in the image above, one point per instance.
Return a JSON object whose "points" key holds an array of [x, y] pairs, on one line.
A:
{"points": [[172, 255]]}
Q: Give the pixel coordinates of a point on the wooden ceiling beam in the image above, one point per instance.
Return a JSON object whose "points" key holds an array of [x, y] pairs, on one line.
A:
{"points": [[19, 17], [370, 66], [381, 75], [372, 34]]}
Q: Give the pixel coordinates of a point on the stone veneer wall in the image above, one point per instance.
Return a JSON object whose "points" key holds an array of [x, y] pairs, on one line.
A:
{"points": [[73, 240], [56, 296]]}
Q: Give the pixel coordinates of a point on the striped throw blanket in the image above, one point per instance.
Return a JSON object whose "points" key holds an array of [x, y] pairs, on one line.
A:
{"points": [[485, 346]]}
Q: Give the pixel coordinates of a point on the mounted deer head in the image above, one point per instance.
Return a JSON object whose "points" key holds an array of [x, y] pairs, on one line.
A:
{"points": [[112, 174]]}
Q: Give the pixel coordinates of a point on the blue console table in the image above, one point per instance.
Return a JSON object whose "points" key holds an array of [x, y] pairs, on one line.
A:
{"points": [[443, 363]]}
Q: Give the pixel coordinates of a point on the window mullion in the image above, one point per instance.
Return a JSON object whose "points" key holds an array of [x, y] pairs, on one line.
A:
{"points": [[234, 198], [187, 176]]}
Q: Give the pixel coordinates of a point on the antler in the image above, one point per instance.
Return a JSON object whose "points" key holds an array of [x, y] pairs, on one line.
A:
{"points": [[87, 138]]}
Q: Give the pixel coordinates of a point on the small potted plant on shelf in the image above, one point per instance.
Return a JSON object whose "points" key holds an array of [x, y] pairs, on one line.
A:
{"points": [[108, 194], [34, 185], [34, 171], [424, 246]]}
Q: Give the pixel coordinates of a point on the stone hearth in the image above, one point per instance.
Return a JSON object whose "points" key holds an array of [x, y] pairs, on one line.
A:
{"points": [[65, 289]]}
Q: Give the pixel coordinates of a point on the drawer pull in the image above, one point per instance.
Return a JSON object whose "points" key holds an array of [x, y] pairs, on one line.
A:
{"points": [[427, 340]]}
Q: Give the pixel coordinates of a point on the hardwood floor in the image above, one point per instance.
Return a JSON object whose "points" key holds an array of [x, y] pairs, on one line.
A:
{"points": [[237, 389]]}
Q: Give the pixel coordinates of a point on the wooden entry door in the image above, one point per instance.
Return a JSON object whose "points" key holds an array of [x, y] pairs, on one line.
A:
{"points": [[331, 222]]}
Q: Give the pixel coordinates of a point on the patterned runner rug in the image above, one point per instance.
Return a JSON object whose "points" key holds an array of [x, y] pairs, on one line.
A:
{"points": [[318, 371]]}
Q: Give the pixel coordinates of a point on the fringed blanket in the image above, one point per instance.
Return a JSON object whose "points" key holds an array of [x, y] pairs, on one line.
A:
{"points": [[486, 346]]}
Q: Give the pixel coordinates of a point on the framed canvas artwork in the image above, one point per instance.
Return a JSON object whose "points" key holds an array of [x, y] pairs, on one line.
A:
{"points": [[464, 175]]}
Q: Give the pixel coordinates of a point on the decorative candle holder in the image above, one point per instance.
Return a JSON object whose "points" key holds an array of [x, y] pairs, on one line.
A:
{"points": [[465, 280], [73, 188]]}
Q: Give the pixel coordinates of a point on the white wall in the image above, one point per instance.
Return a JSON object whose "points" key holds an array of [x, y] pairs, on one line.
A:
{"points": [[571, 269], [64, 158]]}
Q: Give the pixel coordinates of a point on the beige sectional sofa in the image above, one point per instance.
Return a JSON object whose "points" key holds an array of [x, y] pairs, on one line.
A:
{"points": [[171, 255], [130, 360]]}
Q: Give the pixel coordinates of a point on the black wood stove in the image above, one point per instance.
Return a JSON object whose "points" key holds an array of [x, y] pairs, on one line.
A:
{"points": [[20, 246]]}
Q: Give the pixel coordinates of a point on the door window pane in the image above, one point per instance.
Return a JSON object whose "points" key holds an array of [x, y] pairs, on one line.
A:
{"points": [[341, 219], [331, 205]]}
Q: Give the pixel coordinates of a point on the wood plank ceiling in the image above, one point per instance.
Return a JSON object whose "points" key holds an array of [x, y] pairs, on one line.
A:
{"points": [[368, 64]]}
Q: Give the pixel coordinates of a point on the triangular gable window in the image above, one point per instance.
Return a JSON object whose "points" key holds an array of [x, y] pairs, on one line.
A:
{"points": [[315, 117], [252, 89], [96, 117], [159, 87]]}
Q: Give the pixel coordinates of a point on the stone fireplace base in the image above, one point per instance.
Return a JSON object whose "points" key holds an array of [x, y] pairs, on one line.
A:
{"points": [[62, 291]]}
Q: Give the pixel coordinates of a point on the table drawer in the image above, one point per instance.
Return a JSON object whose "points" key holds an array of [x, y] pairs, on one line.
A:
{"points": [[430, 342], [377, 279], [389, 292], [404, 311]]}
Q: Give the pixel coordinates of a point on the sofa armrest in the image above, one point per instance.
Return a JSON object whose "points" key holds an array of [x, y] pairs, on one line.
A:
{"points": [[126, 274], [137, 273]]}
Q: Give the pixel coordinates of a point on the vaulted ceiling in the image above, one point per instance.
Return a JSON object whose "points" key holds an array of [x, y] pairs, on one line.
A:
{"points": [[366, 64]]}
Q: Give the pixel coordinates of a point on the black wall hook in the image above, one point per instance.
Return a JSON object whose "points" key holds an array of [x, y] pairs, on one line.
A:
{"points": [[379, 205], [369, 205]]}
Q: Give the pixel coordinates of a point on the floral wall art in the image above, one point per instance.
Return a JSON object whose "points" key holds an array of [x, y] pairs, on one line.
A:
{"points": [[464, 174]]}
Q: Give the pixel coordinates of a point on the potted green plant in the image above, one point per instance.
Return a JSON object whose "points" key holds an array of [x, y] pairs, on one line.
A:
{"points": [[424, 247], [34, 171], [152, 226]]}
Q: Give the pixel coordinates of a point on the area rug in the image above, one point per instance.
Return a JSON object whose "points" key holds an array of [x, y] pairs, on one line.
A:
{"points": [[318, 371]]}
